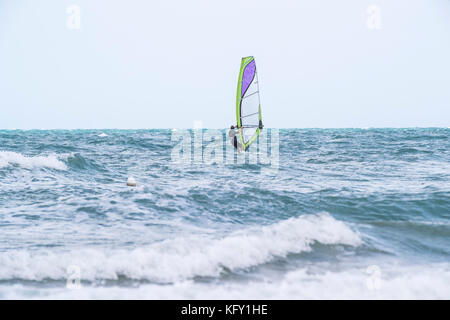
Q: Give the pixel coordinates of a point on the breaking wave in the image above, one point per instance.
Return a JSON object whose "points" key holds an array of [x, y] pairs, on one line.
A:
{"points": [[394, 282], [9, 158], [185, 257]]}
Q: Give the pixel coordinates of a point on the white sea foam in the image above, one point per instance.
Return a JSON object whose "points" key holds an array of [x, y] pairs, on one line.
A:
{"points": [[183, 258], [102, 135], [396, 282], [13, 158]]}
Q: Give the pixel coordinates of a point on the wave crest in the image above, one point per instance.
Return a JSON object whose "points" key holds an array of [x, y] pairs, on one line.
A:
{"points": [[184, 258], [8, 158]]}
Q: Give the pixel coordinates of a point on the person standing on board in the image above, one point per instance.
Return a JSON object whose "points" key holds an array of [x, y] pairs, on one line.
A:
{"points": [[234, 140]]}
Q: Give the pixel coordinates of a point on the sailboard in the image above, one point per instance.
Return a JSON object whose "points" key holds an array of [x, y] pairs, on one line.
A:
{"points": [[248, 104]]}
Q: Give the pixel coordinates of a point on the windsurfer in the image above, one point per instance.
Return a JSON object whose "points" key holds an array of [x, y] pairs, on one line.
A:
{"points": [[233, 139]]}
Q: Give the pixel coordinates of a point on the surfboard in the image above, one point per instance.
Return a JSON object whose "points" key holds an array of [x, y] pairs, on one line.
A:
{"points": [[248, 103]]}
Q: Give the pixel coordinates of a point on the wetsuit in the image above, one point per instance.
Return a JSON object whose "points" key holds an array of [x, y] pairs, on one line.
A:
{"points": [[233, 138]]}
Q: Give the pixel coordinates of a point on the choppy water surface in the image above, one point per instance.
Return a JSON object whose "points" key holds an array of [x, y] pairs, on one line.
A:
{"points": [[350, 213]]}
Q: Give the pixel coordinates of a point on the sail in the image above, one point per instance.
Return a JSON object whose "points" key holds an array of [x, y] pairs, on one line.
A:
{"points": [[248, 106]]}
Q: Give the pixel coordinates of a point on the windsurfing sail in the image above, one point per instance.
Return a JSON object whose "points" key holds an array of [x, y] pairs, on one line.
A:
{"points": [[248, 105]]}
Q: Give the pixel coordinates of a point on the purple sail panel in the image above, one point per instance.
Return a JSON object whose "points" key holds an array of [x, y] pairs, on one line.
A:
{"points": [[247, 77]]}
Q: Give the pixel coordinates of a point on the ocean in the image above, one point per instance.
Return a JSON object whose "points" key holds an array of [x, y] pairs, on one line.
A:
{"points": [[336, 214]]}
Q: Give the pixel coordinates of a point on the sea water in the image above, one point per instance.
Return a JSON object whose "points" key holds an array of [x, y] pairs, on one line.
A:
{"points": [[348, 213]]}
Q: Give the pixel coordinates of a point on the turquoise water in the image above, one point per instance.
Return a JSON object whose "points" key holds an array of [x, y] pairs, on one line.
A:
{"points": [[348, 213]]}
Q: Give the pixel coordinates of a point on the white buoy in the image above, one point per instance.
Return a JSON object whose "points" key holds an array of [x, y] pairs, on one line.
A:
{"points": [[131, 182]]}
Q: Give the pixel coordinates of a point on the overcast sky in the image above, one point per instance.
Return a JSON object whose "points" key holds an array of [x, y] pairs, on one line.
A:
{"points": [[166, 64]]}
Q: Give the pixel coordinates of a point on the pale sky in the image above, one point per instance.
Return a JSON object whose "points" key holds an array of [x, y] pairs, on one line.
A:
{"points": [[166, 64]]}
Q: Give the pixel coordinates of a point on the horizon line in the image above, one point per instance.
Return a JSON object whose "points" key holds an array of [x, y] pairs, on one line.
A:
{"points": [[215, 128]]}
